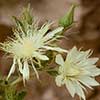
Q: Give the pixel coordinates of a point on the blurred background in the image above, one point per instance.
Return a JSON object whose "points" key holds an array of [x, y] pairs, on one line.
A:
{"points": [[85, 34]]}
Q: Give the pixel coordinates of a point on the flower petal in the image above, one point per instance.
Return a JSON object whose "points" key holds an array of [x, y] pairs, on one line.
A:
{"points": [[92, 61], [20, 66], [72, 54], [59, 80], [25, 71], [70, 86], [12, 68], [55, 49], [94, 71], [88, 81], [45, 27], [37, 75], [40, 56], [50, 35], [79, 90], [59, 60]]}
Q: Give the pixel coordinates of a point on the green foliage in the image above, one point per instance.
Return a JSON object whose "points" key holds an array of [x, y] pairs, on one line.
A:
{"points": [[25, 22], [68, 18], [20, 95], [9, 92], [27, 18], [6, 91]]}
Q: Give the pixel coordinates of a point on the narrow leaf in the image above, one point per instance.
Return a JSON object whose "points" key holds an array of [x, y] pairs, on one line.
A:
{"points": [[68, 19]]}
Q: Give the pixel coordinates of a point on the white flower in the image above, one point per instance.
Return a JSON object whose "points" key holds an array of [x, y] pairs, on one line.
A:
{"points": [[33, 43], [77, 71]]}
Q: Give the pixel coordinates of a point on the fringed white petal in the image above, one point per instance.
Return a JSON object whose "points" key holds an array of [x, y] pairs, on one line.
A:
{"points": [[59, 80], [37, 75], [94, 71], [20, 66], [79, 90], [25, 71], [70, 87], [40, 56], [55, 49], [72, 54], [50, 35], [59, 60], [12, 68], [88, 81], [44, 29], [92, 61]]}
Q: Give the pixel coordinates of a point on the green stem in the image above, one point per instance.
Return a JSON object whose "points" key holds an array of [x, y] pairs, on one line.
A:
{"points": [[46, 69], [16, 81]]}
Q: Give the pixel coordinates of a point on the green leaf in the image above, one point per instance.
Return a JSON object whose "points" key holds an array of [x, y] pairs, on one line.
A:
{"points": [[68, 19], [26, 15], [24, 23], [18, 24]]}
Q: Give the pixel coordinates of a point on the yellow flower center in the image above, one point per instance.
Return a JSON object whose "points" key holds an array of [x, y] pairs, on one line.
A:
{"points": [[24, 49], [71, 69], [73, 72], [27, 48]]}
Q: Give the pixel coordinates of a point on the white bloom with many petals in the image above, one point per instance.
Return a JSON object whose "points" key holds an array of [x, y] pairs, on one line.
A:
{"points": [[33, 43], [77, 71]]}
